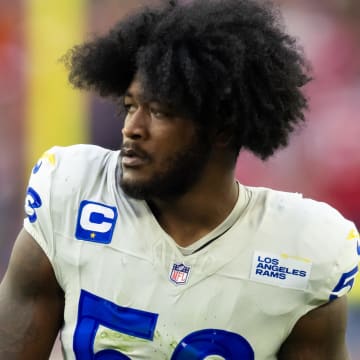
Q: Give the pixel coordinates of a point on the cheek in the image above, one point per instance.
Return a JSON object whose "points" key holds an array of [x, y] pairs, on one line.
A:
{"points": [[172, 137], [169, 148]]}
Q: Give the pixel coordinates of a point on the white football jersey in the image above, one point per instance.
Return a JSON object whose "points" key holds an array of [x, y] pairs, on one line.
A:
{"points": [[131, 293]]}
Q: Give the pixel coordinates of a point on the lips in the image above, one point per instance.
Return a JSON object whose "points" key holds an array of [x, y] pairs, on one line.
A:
{"points": [[133, 157], [132, 161]]}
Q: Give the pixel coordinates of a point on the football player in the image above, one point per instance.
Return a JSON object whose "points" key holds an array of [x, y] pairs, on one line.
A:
{"points": [[155, 251]]}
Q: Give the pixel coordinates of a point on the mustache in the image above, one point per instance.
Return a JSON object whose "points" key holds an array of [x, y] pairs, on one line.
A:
{"points": [[133, 150]]}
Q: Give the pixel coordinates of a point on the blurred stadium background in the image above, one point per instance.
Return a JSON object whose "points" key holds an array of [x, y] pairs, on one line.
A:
{"points": [[38, 109]]}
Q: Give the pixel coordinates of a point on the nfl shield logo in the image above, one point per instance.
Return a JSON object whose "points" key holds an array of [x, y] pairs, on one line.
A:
{"points": [[179, 274]]}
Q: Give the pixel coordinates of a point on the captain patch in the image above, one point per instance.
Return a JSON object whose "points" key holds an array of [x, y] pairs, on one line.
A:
{"points": [[96, 222], [281, 270]]}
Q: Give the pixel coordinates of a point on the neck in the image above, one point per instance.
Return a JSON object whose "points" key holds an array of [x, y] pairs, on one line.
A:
{"points": [[194, 214]]}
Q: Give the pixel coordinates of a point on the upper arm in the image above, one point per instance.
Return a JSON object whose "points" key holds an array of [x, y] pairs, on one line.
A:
{"points": [[319, 335], [31, 303]]}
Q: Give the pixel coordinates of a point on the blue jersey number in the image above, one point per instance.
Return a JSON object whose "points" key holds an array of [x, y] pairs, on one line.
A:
{"points": [[200, 344], [95, 311], [346, 281], [32, 202]]}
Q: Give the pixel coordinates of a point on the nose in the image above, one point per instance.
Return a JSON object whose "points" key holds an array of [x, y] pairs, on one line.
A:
{"points": [[135, 125]]}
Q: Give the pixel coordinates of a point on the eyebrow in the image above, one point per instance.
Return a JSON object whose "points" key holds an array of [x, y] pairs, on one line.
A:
{"points": [[137, 96], [142, 98], [128, 94]]}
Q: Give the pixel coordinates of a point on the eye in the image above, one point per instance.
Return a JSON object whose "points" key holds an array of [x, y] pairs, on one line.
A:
{"points": [[130, 108], [159, 113]]}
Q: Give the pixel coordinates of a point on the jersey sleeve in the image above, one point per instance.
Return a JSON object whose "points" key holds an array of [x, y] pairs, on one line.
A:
{"points": [[346, 265], [38, 222], [339, 266], [61, 178]]}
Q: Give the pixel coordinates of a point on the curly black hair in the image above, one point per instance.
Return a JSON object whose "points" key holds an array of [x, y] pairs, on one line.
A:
{"points": [[228, 63]]}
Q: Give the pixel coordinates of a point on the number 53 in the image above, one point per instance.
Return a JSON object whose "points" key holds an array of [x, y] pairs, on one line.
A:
{"points": [[95, 311]]}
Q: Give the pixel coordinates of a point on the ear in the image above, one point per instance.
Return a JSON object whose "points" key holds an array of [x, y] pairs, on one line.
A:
{"points": [[224, 144]]}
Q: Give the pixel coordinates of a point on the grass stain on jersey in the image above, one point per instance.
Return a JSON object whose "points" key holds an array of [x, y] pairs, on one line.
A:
{"points": [[111, 339], [173, 344]]}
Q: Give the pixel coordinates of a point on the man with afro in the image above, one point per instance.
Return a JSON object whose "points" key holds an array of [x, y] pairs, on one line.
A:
{"points": [[156, 251]]}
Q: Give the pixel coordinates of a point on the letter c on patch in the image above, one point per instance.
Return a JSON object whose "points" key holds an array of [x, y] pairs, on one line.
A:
{"points": [[96, 222], [96, 217]]}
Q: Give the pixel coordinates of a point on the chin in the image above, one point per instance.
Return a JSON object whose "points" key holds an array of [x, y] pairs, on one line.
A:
{"points": [[135, 186], [134, 176]]}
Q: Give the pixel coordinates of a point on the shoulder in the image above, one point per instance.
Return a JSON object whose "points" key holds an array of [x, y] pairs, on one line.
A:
{"points": [[309, 231], [79, 157], [74, 165], [64, 174], [62, 180], [293, 212]]}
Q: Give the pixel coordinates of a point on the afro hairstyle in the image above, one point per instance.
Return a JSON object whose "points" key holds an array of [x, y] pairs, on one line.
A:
{"points": [[228, 64]]}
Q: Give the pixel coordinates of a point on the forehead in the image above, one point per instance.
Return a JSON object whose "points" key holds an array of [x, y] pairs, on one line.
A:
{"points": [[136, 89], [141, 93]]}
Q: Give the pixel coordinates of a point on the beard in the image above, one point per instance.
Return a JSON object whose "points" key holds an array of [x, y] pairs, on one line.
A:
{"points": [[180, 172]]}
